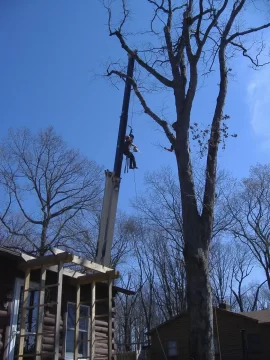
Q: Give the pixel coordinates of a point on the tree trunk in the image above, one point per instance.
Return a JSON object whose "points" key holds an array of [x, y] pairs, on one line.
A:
{"points": [[199, 297], [43, 239], [127, 331]]}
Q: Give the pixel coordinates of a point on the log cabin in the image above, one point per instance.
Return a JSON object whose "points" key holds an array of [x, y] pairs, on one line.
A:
{"points": [[57, 306]]}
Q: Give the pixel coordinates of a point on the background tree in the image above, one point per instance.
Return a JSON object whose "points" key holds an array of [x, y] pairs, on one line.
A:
{"points": [[221, 268], [252, 213], [124, 232], [186, 37], [48, 188]]}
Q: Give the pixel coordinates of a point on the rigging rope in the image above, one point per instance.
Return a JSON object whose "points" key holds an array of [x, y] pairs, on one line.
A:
{"points": [[220, 356], [135, 186], [161, 344], [133, 95]]}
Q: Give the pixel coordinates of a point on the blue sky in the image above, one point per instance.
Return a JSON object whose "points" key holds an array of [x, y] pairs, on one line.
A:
{"points": [[51, 52]]}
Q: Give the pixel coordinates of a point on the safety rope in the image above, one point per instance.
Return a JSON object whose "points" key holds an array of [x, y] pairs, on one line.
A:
{"points": [[161, 344], [220, 356], [132, 110], [126, 165], [134, 177]]}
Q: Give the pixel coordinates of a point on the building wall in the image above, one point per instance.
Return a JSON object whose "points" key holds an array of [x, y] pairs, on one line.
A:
{"points": [[229, 326], [174, 330], [8, 273]]}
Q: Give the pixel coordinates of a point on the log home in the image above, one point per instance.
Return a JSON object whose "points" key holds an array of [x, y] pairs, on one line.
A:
{"points": [[51, 311]]}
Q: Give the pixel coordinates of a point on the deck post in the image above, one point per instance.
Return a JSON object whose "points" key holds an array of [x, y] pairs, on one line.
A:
{"points": [[93, 316], [110, 282], [40, 312], [77, 322], [24, 311]]}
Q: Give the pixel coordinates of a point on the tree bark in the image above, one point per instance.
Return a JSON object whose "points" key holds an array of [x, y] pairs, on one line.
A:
{"points": [[199, 295]]}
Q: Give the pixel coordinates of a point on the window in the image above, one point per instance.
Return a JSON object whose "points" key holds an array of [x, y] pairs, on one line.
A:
{"points": [[254, 343], [172, 348], [83, 331], [30, 319]]}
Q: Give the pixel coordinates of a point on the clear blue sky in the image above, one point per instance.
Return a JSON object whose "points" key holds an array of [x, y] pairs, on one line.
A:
{"points": [[50, 51]]}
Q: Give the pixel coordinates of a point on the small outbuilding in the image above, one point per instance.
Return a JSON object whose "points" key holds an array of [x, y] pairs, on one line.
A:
{"points": [[237, 336]]}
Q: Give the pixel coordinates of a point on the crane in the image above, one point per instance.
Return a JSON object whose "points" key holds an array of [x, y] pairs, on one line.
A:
{"points": [[113, 180]]}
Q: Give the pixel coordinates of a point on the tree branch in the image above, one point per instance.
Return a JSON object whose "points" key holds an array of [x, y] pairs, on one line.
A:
{"points": [[146, 108], [244, 50], [246, 32]]}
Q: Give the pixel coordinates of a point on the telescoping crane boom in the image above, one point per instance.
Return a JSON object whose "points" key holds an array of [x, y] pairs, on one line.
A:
{"points": [[113, 180]]}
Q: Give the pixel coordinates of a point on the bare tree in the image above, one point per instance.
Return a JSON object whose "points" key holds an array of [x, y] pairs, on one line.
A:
{"points": [[264, 298], [231, 264], [160, 206], [126, 314], [242, 267], [252, 212], [48, 187], [124, 233], [170, 284], [188, 38], [221, 268]]}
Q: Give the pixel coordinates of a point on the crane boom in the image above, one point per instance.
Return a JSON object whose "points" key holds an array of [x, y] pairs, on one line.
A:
{"points": [[113, 180]]}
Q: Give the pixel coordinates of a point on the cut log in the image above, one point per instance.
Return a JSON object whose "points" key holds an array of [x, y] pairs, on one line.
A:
{"points": [[50, 329], [50, 347], [47, 340], [101, 323], [101, 335], [102, 329], [102, 340], [3, 313], [48, 314], [100, 351], [51, 321]]}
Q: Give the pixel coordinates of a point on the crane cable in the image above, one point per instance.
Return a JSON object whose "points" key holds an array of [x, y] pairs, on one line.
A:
{"points": [[131, 126], [133, 95]]}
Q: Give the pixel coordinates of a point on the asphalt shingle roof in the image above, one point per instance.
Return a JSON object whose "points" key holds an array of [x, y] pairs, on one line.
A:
{"points": [[263, 316]]}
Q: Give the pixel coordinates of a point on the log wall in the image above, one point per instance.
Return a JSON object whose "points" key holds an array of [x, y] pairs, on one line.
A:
{"points": [[8, 274]]}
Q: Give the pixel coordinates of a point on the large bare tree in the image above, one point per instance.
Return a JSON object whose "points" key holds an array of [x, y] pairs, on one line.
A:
{"points": [[47, 189], [186, 38]]}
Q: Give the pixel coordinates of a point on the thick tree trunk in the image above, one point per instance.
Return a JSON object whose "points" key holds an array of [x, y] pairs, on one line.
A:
{"points": [[199, 299], [197, 234], [43, 239]]}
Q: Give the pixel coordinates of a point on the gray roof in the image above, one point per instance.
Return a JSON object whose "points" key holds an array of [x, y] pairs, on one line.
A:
{"points": [[260, 316], [263, 316]]}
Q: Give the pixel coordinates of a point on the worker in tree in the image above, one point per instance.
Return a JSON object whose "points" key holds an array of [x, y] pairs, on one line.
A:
{"points": [[127, 151]]}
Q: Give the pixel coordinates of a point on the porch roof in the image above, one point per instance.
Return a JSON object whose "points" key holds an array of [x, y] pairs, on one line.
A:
{"points": [[92, 271]]}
